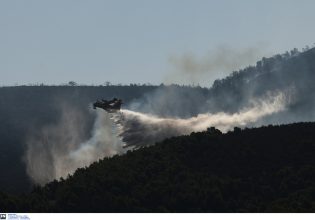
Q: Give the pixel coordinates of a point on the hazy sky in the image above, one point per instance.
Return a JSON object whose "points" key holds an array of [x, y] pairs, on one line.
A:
{"points": [[135, 41]]}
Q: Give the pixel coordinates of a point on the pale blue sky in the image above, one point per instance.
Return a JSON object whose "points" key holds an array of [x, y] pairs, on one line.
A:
{"points": [[132, 41]]}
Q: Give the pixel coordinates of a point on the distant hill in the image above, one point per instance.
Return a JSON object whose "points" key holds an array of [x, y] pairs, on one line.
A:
{"points": [[28, 108], [267, 169], [292, 70]]}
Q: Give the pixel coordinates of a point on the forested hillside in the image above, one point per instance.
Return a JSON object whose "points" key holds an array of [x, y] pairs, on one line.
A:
{"points": [[267, 169]]}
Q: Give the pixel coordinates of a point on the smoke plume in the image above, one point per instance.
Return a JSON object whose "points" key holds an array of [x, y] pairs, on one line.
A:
{"points": [[191, 69]]}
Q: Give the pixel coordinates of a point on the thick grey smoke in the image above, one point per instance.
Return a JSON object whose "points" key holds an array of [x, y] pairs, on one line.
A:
{"points": [[138, 129], [57, 150], [191, 69]]}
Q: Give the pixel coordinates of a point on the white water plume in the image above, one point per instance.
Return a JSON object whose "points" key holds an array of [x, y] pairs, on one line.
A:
{"points": [[57, 150], [138, 129]]}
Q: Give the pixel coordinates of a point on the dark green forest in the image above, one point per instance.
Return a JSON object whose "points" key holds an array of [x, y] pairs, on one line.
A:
{"points": [[267, 169]]}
